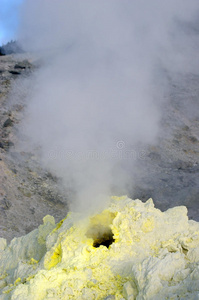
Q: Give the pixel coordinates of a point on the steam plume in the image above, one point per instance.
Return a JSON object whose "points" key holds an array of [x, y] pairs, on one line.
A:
{"points": [[100, 88]]}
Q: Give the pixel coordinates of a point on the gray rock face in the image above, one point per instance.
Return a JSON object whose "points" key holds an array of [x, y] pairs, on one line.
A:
{"points": [[27, 192], [170, 170]]}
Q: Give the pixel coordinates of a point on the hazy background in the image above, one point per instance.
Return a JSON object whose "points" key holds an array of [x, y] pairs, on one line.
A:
{"points": [[98, 97]]}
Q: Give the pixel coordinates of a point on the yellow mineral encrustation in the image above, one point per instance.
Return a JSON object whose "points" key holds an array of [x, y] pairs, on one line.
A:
{"points": [[130, 250]]}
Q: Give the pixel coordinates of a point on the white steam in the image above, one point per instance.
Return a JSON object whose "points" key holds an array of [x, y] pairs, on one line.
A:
{"points": [[99, 90]]}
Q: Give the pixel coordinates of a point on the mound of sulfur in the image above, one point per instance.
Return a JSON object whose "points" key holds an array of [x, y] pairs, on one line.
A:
{"points": [[130, 251]]}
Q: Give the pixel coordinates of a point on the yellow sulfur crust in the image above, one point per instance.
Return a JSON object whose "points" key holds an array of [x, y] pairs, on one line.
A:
{"points": [[130, 250]]}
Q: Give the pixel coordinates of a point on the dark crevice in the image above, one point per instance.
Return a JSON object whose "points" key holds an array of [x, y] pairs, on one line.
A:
{"points": [[101, 236]]}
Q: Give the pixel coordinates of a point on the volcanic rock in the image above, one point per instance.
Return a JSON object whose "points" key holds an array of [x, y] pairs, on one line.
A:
{"points": [[8, 122]]}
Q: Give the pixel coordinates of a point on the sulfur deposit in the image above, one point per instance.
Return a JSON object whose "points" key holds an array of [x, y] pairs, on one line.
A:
{"points": [[131, 250]]}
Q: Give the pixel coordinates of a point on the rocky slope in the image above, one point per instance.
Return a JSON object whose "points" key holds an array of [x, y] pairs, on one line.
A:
{"points": [[27, 192], [168, 171]]}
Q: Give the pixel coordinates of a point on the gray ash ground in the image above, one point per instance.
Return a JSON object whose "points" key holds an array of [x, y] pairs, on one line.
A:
{"points": [[168, 172]]}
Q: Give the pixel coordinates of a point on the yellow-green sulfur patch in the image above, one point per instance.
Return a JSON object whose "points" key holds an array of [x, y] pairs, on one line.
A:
{"points": [[130, 250]]}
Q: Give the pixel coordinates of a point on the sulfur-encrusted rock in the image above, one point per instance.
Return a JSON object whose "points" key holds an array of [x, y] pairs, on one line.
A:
{"points": [[142, 253]]}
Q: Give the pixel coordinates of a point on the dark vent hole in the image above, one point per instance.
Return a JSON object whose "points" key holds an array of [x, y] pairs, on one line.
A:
{"points": [[101, 236]]}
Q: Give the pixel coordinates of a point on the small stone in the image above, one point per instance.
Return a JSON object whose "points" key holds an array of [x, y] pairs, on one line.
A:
{"points": [[23, 65], [8, 122], [5, 204], [13, 72], [14, 170], [193, 139]]}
